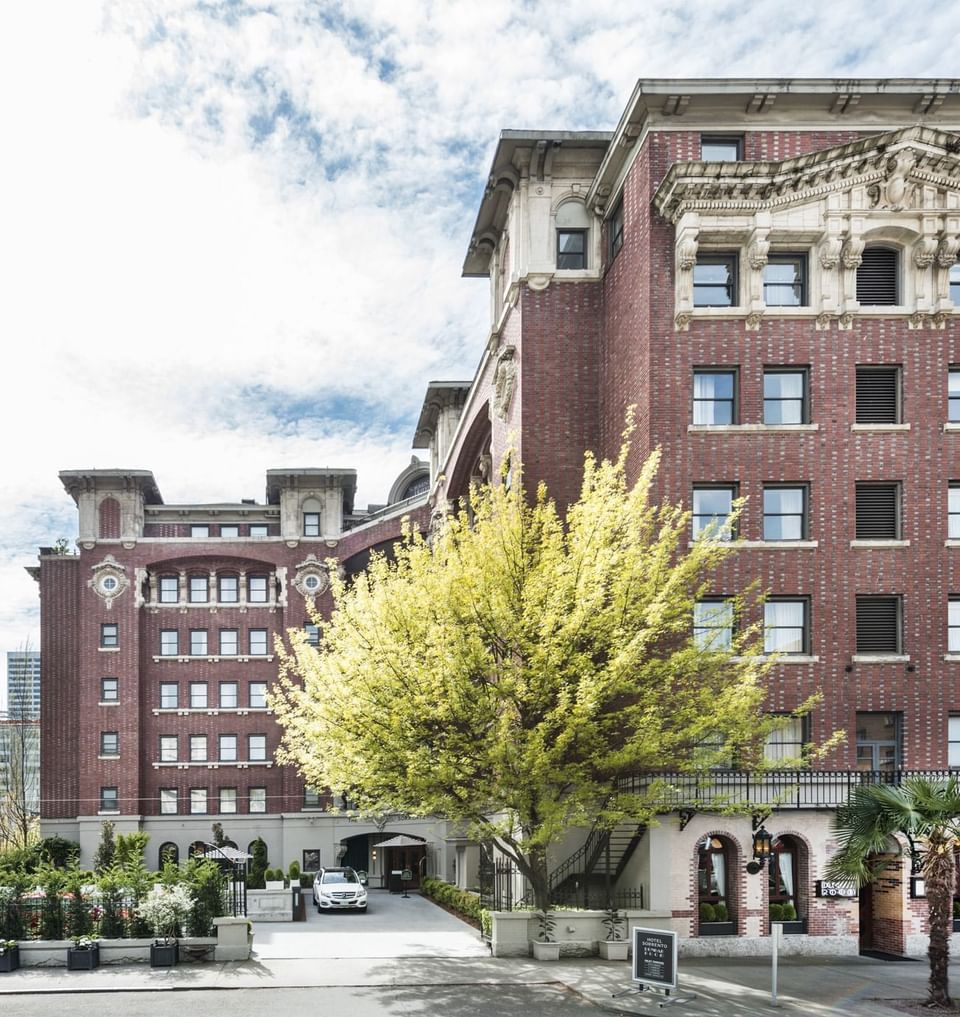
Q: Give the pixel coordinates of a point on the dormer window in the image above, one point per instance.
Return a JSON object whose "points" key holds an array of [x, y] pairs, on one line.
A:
{"points": [[573, 230], [878, 277]]}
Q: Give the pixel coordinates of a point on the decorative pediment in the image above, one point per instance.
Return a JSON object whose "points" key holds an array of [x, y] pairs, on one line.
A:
{"points": [[911, 168], [313, 577]]}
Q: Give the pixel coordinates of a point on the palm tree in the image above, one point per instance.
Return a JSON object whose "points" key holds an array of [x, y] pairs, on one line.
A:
{"points": [[927, 812]]}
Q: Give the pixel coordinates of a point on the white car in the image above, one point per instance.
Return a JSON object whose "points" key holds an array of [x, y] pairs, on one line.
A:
{"points": [[339, 889]]}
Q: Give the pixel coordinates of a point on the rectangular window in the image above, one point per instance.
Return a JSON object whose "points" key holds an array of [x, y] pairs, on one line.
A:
{"points": [[109, 635], [953, 625], [229, 532], [198, 695], [229, 643], [198, 642], [785, 626], [198, 800], [953, 741], [109, 743], [955, 284], [715, 281], [258, 530], [785, 396], [228, 696], [311, 799], [878, 742], [109, 690], [878, 624], [878, 395], [168, 801], [258, 799], [714, 398], [571, 249], [169, 642], [169, 750], [953, 511], [311, 524], [228, 590], [313, 634], [169, 589], [785, 513], [228, 748], [721, 147], [257, 589], [785, 280], [256, 747], [953, 395], [198, 748], [109, 799], [878, 511], [615, 231], [787, 742], [258, 695], [712, 505], [200, 531], [199, 589], [258, 642], [713, 624], [228, 800], [169, 695]]}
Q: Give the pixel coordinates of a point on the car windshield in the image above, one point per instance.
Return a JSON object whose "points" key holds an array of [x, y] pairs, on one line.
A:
{"points": [[340, 877]]}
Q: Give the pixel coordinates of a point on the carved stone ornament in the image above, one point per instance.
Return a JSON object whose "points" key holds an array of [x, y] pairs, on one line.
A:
{"points": [[823, 322], [916, 320], [830, 252], [682, 321], [845, 322], [896, 191], [539, 281], [312, 578], [754, 318], [947, 251], [938, 321], [758, 254], [924, 251], [504, 381], [687, 253], [109, 580], [853, 252]]}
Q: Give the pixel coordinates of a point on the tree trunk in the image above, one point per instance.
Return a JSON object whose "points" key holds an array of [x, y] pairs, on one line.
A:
{"points": [[539, 877], [939, 874]]}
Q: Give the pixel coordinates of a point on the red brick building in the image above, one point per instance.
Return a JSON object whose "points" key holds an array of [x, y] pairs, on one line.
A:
{"points": [[767, 271]]}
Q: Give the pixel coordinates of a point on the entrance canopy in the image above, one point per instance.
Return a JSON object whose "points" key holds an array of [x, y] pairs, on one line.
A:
{"points": [[401, 840]]}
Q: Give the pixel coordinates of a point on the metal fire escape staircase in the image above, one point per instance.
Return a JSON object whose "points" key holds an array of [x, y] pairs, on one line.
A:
{"points": [[589, 876]]}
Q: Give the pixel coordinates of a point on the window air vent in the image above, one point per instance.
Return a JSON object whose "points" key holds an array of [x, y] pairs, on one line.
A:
{"points": [[877, 512], [877, 277], [877, 392], [878, 625]]}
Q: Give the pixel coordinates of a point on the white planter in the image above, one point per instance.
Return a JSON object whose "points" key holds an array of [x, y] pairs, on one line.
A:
{"points": [[546, 951], [274, 884], [611, 949]]}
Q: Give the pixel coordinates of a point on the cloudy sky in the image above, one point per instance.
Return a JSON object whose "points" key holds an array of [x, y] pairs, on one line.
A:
{"points": [[231, 231]]}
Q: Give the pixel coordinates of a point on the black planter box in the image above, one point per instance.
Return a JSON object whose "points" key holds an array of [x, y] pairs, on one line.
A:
{"points": [[83, 960], [164, 955], [718, 928], [956, 925], [10, 959]]}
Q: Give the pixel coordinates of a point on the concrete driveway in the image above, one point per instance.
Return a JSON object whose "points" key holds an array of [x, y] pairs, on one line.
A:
{"points": [[393, 926]]}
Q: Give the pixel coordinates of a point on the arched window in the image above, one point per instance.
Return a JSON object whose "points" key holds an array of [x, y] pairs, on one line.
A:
{"points": [[417, 486], [714, 891], [573, 231], [878, 277], [311, 517], [784, 882], [169, 852]]}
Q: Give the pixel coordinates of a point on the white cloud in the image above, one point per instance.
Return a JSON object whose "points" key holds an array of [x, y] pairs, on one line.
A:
{"points": [[213, 211]]}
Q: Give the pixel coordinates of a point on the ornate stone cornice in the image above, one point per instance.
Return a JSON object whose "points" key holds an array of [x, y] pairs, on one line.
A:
{"points": [[887, 166]]}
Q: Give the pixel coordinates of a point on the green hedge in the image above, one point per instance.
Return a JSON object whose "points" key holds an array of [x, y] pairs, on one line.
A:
{"points": [[463, 901]]}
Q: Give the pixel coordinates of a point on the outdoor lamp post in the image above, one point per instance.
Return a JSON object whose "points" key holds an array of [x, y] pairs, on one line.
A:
{"points": [[762, 850]]}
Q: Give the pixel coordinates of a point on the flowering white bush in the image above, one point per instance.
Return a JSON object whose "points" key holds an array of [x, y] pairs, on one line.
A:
{"points": [[166, 908]]}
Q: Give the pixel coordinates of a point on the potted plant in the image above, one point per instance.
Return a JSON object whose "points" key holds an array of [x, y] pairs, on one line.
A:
{"points": [[84, 955], [165, 908], [544, 947], [786, 915], [9, 955], [615, 946], [715, 919]]}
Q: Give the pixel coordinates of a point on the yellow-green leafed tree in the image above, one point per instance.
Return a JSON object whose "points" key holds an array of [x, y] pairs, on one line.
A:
{"points": [[508, 671]]}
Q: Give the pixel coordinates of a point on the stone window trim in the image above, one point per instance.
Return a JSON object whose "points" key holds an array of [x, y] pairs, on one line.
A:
{"points": [[226, 658], [213, 711], [763, 428], [211, 764]]}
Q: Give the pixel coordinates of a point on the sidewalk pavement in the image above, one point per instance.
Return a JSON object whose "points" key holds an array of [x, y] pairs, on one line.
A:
{"points": [[845, 986]]}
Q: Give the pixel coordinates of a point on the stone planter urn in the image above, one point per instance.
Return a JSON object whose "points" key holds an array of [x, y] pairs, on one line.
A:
{"points": [[614, 949], [546, 951]]}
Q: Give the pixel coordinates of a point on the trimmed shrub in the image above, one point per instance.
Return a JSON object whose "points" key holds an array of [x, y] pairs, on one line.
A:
{"points": [[293, 872], [776, 912], [462, 901], [708, 913], [789, 913], [720, 910]]}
